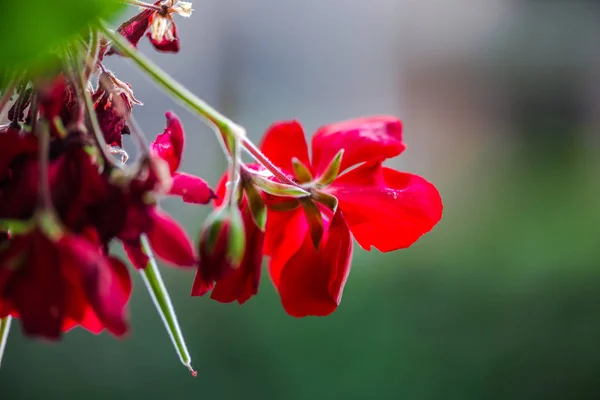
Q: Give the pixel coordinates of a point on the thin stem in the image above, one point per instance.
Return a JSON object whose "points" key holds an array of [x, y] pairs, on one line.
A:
{"points": [[143, 5], [162, 302], [234, 174], [173, 87], [19, 103], [93, 53], [262, 159], [139, 136], [8, 93], [224, 125], [84, 96], [45, 197], [4, 330]]}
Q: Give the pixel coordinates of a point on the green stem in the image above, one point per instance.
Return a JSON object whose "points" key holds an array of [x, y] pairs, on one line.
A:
{"points": [[81, 83], [162, 302], [228, 129], [4, 330], [214, 117]]}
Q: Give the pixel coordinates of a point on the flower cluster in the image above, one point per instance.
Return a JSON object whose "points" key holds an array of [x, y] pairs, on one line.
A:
{"points": [[67, 194]]}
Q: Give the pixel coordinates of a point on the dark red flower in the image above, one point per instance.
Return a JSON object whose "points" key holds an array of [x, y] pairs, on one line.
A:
{"points": [[14, 145], [166, 237], [230, 282], [381, 207], [113, 102], [57, 99], [169, 146], [163, 31], [55, 283]]}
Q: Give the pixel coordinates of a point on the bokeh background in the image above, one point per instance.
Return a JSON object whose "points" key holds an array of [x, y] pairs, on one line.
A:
{"points": [[501, 104]]}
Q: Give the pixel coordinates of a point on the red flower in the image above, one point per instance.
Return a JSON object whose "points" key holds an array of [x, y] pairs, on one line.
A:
{"points": [[166, 237], [169, 146], [233, 283], [381, 207], [163, 31], [113, 102], [53, 284]]}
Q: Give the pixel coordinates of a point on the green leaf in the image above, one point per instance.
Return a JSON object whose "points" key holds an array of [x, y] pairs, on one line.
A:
{"points": [[34, 30]]}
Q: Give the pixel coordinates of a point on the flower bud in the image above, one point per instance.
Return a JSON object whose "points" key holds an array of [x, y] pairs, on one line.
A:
{"points": [[222, 243]]}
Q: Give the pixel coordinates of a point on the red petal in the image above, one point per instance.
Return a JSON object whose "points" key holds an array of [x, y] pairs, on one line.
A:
{"points": [[38, 291], [170, 241], [191, 189], [169, 144], [285, 234], [242, 283], [201, 286], [13, 145], [134, 28], [282, 141], [385, 208], [165, 44], [102, 280], [135, 254], [312, 282], [363, 140]]}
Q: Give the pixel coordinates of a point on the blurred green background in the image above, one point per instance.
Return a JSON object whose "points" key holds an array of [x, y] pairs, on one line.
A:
{"points": [[501, 102]]}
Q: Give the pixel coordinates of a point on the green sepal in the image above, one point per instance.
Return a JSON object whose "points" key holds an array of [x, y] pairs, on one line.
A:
{"points": [[314, 219], [328, 200], [332, 171], [277, 188], [17, 226], [301, 171], [256, 205]]}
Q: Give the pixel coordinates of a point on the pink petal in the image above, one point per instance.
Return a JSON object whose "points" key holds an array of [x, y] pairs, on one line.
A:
{"points": [[169, 240], [385, 208], [363, 140], [169, 144], [282, 142], [191, 189], [311, 282]]}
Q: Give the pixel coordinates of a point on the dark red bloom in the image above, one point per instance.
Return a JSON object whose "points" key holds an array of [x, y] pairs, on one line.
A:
{"points": [[381, 207], [169, 146], [13, 147], [57, 99], [53, 284], [230, 282], [166, 237], [163, 31], [113, 102]]}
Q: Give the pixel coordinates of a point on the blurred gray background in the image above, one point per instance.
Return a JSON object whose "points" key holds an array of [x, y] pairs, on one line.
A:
{"points": [[500, 100]]}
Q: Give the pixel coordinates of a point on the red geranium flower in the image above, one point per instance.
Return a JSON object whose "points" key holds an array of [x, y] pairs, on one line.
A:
{"points": [[169, 146], [163, 31], [230, 283], [166, 236], [55, 283], [381, 207]]}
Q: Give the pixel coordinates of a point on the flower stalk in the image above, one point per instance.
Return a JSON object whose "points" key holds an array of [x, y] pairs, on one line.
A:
{"points": [[228, 129], [4, 331], [162, 301]]}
